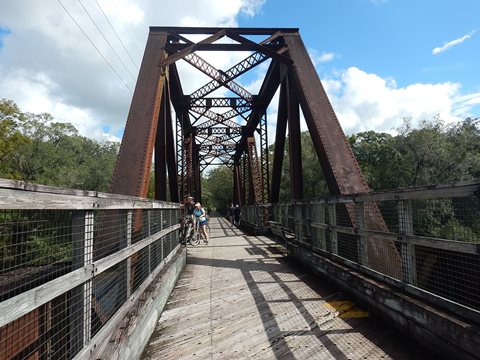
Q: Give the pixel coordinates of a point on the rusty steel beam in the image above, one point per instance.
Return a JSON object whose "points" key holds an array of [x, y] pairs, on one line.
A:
{"points": [[170, 149], [269, 86], [213, 30], [341, 169], [132, 170], [191, 48], [188, 155], [230, 102], [235, 71], [197, 186], [263, 48], [294, 142], [220, 77], [339, 165], [160, 150], [255, 170], [220, 130], [279, 150], [175, 47], [237, 184]]}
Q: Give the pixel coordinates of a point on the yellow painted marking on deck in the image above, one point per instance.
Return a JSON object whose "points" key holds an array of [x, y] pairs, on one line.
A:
{"points": [[347, 309]]}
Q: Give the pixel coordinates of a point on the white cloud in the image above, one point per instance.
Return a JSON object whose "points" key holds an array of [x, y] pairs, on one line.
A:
{"points": [[364, 101], [452, 43], [47, 64], [320, 58]]}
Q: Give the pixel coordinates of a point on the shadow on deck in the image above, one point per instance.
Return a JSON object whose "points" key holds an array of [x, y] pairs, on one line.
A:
{"points": [[240, 297]]}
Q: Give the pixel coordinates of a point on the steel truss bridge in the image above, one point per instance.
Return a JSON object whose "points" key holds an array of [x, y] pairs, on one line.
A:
{"points": [[85, 275]]}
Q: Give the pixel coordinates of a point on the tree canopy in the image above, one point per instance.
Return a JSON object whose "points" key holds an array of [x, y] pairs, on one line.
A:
{"points": [[36, 148], [33, 147]]}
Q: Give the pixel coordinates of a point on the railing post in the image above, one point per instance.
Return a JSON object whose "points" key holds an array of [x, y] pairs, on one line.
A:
{"points": [[149, 225], [297, 214], [129, 259], [162, 239], [405, 227], [332, 219], [321, 232], [361, 239], [82, 251]]}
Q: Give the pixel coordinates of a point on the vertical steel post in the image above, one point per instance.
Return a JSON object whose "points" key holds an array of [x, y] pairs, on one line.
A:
{"points": [[362, 244], [129, 259], [237, 184], [264, 167], [132, 171], [160, 149], [170, 148], [295, 143], [405, 228], [332, 221], [279, 144]]}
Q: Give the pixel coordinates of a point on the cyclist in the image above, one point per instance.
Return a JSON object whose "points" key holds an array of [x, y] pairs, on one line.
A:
{"points": [[187, 208], [201, 217]]}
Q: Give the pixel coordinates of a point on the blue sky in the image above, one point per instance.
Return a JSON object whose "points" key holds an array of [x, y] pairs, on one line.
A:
{"points": [[392, 38], [3, 33], [380, 61]]}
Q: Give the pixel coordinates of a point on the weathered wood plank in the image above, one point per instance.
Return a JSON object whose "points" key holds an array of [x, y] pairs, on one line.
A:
{"points": [[16, 195], [240, 298]]}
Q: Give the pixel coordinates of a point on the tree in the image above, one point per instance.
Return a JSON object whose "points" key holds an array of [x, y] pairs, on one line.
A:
{"points": [[11, 138], [217, 188], [379, 158], [438, 153], [35, 148]]}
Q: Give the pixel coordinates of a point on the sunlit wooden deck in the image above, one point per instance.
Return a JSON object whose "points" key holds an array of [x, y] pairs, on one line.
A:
{"points": [[239, 297]]}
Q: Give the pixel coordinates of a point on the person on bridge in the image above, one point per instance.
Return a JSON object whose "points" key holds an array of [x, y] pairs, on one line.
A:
{"points": [[231, 213], [201, 217], [238, 214]]}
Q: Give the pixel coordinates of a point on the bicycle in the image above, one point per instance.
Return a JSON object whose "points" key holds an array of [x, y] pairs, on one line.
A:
{"points": [[189, 233], [197, 235]]}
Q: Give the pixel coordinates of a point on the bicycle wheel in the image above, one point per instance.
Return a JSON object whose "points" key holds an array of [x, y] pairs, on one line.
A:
{"points": [[195, 238]]}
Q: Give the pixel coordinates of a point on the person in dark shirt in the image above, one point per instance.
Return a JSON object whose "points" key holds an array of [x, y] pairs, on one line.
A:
{"points": [[189, 206], [231, 213], [238, 214]]}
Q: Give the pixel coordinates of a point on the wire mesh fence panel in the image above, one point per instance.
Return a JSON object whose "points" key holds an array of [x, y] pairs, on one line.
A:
{"points": [[139, 267], [174, 236], [109, 293], [110, 232], [449, 274], [318, 225], [426, 238], [36, 248], [388, 212], [52, 331], [455, 219], [52, 300], [156, 251]]}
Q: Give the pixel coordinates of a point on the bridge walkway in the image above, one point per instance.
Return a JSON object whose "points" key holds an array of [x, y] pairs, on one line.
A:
{"points": [[240, 297]]}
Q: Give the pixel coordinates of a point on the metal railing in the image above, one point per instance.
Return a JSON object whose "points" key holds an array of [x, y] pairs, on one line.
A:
{"points": [[71, 265], [424, 241]]}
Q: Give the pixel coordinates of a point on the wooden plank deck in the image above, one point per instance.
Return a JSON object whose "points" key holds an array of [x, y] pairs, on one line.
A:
{"points": [[240, 298]]}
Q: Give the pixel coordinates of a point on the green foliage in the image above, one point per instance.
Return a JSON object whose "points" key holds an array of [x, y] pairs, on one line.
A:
{"points": [[217, 188], [437, 153], [44, 251], [378, 157], [434, 153], [35, 148], [11, 138]]}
